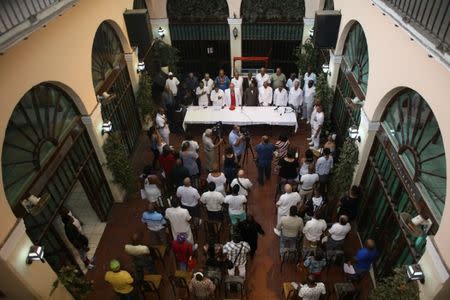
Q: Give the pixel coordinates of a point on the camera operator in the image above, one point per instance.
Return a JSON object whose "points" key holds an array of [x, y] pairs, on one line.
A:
{"points": [[237, 140], [209, 148]]}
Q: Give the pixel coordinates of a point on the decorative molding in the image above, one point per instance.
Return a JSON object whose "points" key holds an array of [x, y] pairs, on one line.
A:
{"points": [[14, 237], [159, 21], [235, 21], [308, 21]]}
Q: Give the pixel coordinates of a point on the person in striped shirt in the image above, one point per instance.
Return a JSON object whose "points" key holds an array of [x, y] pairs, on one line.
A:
{"points": [[236, 251]]}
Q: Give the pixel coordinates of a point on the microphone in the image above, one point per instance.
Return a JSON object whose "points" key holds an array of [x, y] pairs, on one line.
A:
{"points": [[277, 107]]}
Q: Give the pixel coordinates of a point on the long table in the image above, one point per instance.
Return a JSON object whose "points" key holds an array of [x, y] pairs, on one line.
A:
{"points": [[242, 116]]}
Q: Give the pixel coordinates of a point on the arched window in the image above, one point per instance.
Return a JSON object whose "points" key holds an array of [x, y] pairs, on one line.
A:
{"points": [[328, 5], [415, 133], [39, 122]]}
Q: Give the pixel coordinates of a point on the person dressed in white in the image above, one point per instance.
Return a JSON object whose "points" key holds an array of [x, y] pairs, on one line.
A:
{"points": [[173, 83], [280, 96], [163, 125], [217, 96], [244, 183], [213, 201], [309, 75], [316, 127], [265, 94], [151, 188], [296, 96], [338, 232], [233, 96], [179, 220], [288, 199], [308, 101], [307, 183], [262, 77], [238, 82], [202, 94], [236, 205], [218, 178], [208, 83], [189, 197], [290, 82], [312, 290], [193, 145], [314, 228]]}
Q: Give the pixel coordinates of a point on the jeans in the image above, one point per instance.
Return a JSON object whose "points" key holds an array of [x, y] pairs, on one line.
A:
{"points": [[130, 296], [288, 241], [264, 171], [160, 236]]}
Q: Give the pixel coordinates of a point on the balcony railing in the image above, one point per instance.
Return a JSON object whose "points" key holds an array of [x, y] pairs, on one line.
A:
{"points": [[432, 17]]}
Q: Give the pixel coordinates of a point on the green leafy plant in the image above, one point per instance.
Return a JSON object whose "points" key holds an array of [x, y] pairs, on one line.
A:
{"points": [[307, 55], [144, 96], [162, 55], [74, 281], [325, 94], [396, 287], [117, 162], [342, 175], [253, 11], [197, 10]]}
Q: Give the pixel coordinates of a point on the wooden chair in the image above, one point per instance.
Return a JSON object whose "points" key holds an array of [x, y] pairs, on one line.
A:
{"points": [[179, 282], [288, 291], [212, 228], [288, 255], [235, 280], [151, 284], [158, 252]]}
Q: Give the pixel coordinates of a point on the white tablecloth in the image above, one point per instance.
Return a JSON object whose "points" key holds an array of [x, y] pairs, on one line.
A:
{"points": [[247, 115]]}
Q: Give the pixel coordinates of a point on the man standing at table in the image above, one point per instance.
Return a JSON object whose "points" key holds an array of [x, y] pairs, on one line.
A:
{"points": [[173, 83], [278, 79], [296, 96], [280, 97], [208, 83], [262, 77], [217, 96], [232, 97], [265, 95], [238, 82], [191, 82], [251, 94], [222, 80], [202, 94], [237, 140]]}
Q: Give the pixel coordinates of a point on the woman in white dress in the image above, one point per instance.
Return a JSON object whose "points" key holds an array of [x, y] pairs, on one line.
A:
{"points": [[218, 178], [152, 189]]}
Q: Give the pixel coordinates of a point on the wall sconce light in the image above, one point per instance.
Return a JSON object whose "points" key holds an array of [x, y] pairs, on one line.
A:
{"points": [[311, 32], [106, 127], [35, 253], [354, 134], [141, 67], [161, 32], [414, 272], [326, 69], [235, 32]]}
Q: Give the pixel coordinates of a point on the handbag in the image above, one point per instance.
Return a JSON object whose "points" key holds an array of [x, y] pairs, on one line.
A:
{"points": [[230, 264]]}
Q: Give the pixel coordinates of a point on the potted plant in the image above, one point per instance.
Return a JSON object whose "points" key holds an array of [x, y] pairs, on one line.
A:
{"points": [[396, 287], [145, 101], [307, 55], [74, 281], [342, 175], [325, 94]]}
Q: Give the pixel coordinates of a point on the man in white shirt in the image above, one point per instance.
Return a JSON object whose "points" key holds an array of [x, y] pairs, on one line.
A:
{"points": [[213, 201], [202, 94], [162, 125], [307, 183], [265, 94], [296, 96], [314, 228], [208, 83], [316, 127], [312, 290], [193, 145], [173, 83], [236, 205], [309, 75], [179, 220], [217, 96], [290, 82], [288, 199], [280, 97], [262, 77], [338, 232], [323, 168], [238, 82], [189, 197], [233, 96], [244, 183], [308, 101]]}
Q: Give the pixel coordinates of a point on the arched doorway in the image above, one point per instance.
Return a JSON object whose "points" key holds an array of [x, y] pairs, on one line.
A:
{"points": [[352, 82], [405, 173], [200, 31], [273, 29], [110, 76], [47, 153]]}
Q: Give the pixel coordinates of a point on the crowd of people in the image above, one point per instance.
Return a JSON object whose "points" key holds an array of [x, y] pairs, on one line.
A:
{"points": [[185, 192]]}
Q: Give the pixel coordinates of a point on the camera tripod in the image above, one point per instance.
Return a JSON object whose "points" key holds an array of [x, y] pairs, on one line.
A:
{"points": [[248, 148]]}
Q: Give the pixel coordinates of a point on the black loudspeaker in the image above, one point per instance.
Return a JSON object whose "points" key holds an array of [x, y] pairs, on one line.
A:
{"points": [[326, 28], [137, 24]]}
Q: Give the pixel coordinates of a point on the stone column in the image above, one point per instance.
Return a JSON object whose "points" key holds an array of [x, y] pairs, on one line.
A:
{"points": [[235, 43], [367, 132], [164, 24], [93, 124], [335, 64], [132, 63]]}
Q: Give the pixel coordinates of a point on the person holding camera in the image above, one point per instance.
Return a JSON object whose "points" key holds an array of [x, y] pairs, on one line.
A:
{"points": [[264, 152], [237, 140], [210, 148]]}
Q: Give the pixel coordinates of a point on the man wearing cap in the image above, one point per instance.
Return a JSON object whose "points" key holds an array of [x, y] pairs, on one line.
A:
{"points": [[121, 281], [173, 83]]}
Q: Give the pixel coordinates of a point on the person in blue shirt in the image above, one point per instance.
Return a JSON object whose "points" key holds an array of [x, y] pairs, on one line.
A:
{"points": [[155, 223], [237, 140], [222, 81], [264, 151], [365, 257]]}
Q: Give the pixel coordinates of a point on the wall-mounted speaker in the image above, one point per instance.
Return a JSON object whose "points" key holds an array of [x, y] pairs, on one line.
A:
{"points": [[139, 34], [326, 28]]}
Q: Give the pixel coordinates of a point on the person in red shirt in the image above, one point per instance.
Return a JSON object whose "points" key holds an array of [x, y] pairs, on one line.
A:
{"points": [[182, 250], [167, 160]]}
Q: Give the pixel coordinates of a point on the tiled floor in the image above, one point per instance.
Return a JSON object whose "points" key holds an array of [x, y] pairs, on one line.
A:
{"points": [[264, 277]]}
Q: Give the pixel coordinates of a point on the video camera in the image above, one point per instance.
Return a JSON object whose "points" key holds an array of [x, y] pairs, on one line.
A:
{"points": [[217, 129], [246, 133]]}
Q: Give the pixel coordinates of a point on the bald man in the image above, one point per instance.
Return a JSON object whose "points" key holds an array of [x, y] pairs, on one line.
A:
{"points": [[233, 96], [264, 153], [288, 199], [244, 183], [365, 257], [189, 197]]}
